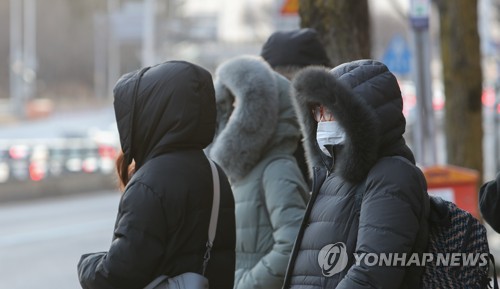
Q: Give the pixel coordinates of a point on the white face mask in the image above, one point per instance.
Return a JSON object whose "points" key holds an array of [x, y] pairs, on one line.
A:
{"points": [[329, 133]]}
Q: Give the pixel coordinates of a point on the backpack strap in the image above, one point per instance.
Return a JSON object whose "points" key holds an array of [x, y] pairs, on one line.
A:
{"points": [[439, 213], [319, 176], [214, 216], [414, 274], [495, 280]]}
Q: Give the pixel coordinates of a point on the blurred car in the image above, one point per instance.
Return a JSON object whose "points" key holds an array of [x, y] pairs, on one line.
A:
{"points": [[4, 164], [19, 161], [36, 160]]}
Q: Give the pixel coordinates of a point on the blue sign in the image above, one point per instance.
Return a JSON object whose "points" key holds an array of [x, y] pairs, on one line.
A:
{"points": [[397, 56], [419, 13]]}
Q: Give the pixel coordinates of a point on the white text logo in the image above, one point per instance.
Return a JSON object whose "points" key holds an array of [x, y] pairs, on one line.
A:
{"points": [[439, 259], [332, 259]]}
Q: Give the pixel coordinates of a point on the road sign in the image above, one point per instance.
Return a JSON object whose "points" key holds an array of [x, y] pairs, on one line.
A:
{"points": [[290, 7], [419, 13], [398, 56]]}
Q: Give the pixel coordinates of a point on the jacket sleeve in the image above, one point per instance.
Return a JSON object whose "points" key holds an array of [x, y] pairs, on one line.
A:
{"points": [[389, 222], [137, 247], [285, 192], [489, 202]]}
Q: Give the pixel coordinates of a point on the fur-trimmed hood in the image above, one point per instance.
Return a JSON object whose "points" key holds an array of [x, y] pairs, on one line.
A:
{"points": [[255, 115], [365, 98]]}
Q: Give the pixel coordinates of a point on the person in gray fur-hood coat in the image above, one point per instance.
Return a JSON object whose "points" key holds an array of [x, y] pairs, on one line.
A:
{"points": [[374, 161], [257, 133]]}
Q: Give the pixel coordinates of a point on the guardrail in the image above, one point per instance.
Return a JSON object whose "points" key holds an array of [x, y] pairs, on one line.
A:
{"points": [[34, 168], [70, 184], [39, 159]]}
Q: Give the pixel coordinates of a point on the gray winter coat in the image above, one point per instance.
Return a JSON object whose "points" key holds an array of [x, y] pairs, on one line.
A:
{"points": [[254, 146], [366, 101]]}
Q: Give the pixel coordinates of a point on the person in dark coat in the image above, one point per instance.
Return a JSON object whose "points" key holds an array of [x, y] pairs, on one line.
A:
{"points": [[166, 116], [489, 202], [287, 52], [352, 121]]}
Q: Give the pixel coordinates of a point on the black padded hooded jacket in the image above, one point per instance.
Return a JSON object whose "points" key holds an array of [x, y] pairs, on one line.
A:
{"points": [[166, 117], [365, 99]]}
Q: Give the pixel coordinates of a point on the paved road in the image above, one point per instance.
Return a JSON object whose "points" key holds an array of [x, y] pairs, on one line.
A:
{"points": [[41, 241]]}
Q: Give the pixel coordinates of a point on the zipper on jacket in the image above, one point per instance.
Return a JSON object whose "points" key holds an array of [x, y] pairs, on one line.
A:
{"points": [[319, 176], [329, 169]]}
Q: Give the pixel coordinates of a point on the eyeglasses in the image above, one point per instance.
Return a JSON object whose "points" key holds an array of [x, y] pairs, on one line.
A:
{"points": [[321, 113]]}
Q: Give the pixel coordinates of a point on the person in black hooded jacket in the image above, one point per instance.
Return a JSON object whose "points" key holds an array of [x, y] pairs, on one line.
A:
{"points": [[489, 202], [352, 122], [287, 52], [166, 117]]}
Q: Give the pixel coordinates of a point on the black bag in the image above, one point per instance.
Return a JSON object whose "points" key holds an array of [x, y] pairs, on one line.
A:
{"points": [[187, 280], [452, 232]]}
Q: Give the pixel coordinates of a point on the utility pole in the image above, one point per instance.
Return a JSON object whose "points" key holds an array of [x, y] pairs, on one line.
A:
{"points": [[23, 59], [148, 55], [113, 47], [425, 138], [100, 55], [29, 54], [16, 58]]}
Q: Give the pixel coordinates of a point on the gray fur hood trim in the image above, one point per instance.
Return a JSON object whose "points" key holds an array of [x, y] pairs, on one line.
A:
{"points": [[315, 85], [243, 134]]}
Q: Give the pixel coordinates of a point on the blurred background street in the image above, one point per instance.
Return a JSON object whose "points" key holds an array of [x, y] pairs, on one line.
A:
{"points": [[41, 241], [58, 136]]}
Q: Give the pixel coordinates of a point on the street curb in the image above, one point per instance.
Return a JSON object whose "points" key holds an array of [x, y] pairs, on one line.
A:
{"points": [[74, 183]]}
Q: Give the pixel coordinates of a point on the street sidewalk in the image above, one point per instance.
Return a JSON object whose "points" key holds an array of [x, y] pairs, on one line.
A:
{"points": [[68, 184]]}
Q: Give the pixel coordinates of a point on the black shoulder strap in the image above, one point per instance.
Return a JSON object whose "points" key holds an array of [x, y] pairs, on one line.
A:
{"points": [[318, 177], [214, 215], [495, 281]]}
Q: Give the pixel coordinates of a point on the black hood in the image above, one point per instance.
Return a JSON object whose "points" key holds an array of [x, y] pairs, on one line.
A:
{"points": [[167, 107], [300, 48], [365, 99]]}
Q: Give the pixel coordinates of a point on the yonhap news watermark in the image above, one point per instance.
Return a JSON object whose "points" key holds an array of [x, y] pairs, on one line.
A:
{"points": [[424, 259], [333, 259]]}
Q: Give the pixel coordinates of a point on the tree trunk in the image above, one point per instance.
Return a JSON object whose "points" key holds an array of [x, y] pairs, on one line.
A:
{"points": [[461, 56], [343, 26]]}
